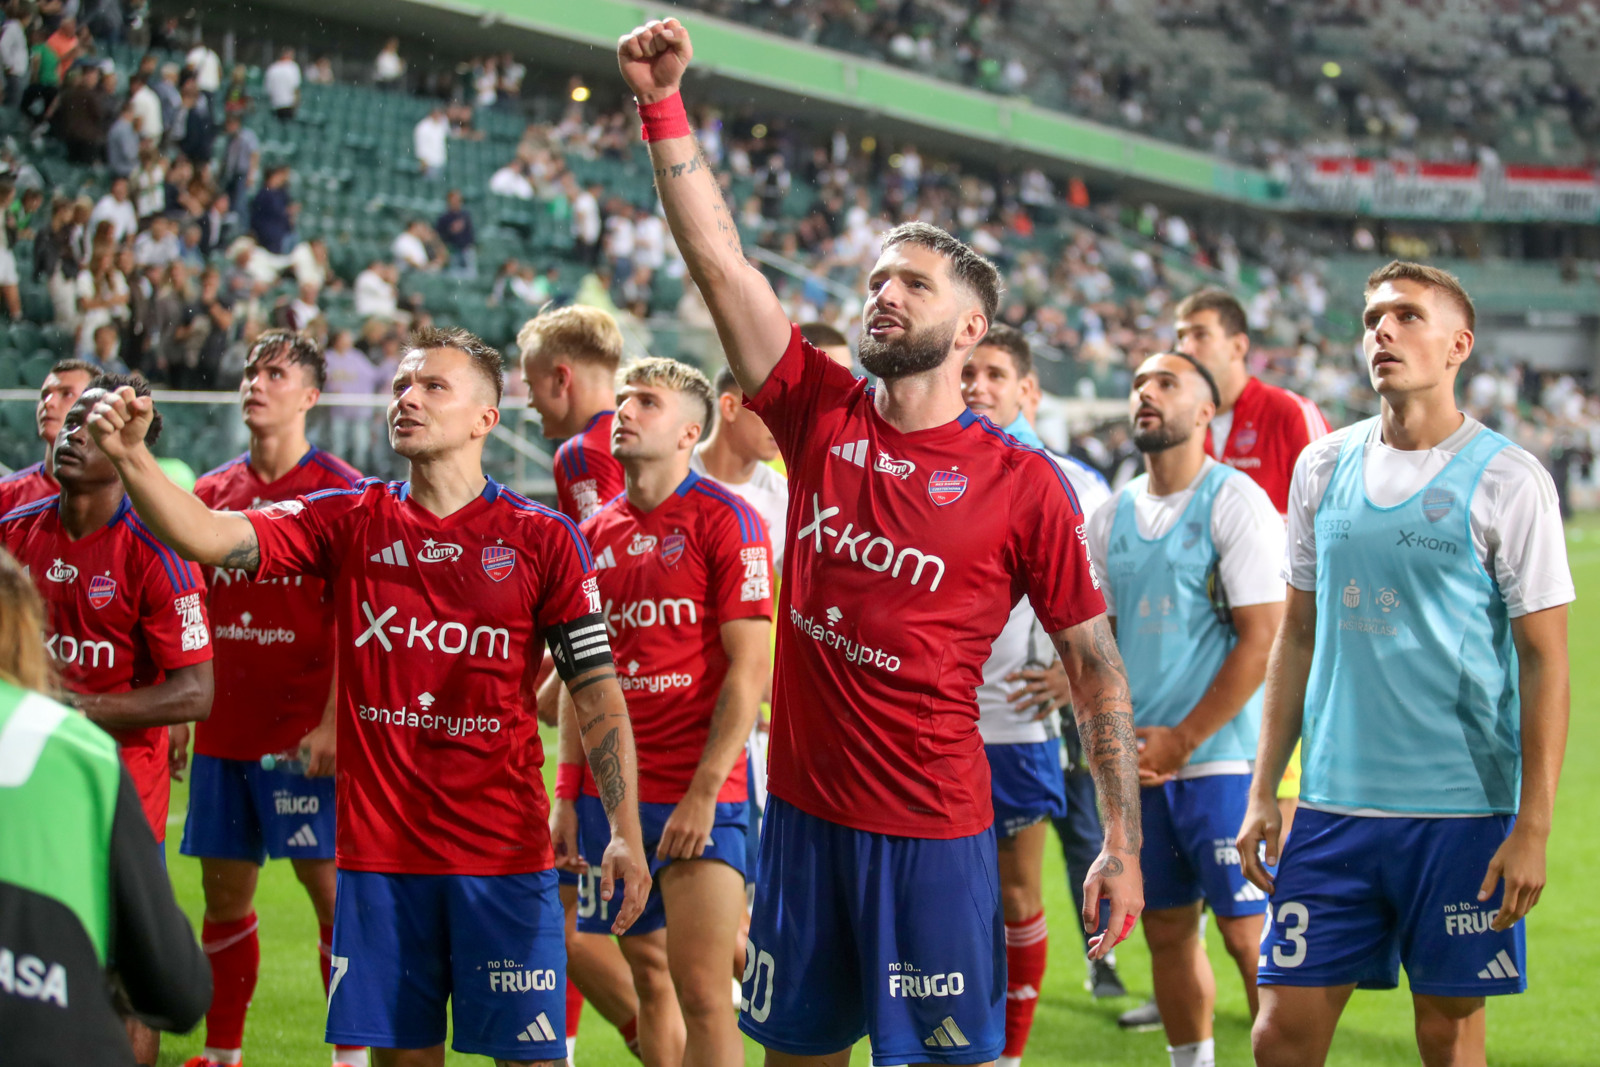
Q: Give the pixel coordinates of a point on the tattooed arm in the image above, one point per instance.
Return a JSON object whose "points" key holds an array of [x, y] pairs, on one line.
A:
{"points": [[607, 735], [118, 425], [1100, 702], [750, 321]]}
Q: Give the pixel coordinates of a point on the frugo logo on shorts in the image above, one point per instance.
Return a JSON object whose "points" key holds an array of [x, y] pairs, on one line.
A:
{"points": [[286, 803], [452, 637], [513, 978], [905, 982]]}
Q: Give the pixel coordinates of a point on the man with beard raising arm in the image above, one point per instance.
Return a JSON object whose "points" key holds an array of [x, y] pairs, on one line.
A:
{"points": [[914, 530]]}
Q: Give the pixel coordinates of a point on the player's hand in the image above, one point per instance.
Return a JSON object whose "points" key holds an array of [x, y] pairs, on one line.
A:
{"points": [[564, 836], [1263, 825], [318, 749], [119, 422], [688, 829], [1161, 754], [1045, 687], [653, 58], [624, 859], [1520, 861], [1114, 877], [177, 750]]}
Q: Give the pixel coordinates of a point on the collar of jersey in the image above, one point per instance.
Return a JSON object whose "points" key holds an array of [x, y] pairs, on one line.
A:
{"points": [[956, 425]]}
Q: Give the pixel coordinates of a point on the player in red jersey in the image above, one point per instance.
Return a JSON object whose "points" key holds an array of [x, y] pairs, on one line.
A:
{"points": [[442, 586], [1259, 428], [913, 530], [686, 587], [274, 694], [128, 628], [569, 360], [61, 388]]}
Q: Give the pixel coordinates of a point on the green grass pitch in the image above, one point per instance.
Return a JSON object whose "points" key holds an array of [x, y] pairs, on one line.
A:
{"points": [[1544, 1028]]}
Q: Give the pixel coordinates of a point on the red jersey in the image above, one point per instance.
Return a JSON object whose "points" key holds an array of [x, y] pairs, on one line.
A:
{"points": [[669, 579], [123, 610], [25, 486], [587, 475], [906, 553], [274, 639], [439, 622], [1271, 426]]}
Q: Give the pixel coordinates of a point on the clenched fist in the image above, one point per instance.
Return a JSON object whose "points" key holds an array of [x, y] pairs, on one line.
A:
{"points": [[120, 421], [653, 58]]}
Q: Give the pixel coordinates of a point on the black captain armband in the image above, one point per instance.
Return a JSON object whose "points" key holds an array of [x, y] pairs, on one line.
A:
{"points": [[580, 645]]}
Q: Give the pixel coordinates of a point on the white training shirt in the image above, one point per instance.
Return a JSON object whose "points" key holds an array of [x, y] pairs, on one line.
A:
{"points": [[1245, 528], [1514, 518], [767, 491], [1023, 644], [282, 83]]}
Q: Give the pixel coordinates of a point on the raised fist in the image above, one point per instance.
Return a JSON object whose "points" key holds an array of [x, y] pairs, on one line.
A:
{"points": [[653, 58], [120, 421]]}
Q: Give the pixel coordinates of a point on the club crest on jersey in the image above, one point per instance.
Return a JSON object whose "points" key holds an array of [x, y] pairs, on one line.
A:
{"points": [[946, 487], [61, 571], [672, 548], [642, 543], [1245, 439], [102, 588], [499, 561], [438, 552], [1436, 504]]}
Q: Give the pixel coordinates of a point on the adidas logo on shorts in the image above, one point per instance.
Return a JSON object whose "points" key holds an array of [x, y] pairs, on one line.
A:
{"points": [[1500, 967], [947, 1035], [1248, 892], [538, 1030], [303, 837]]}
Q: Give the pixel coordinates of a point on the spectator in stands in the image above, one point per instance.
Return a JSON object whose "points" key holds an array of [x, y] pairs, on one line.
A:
{"points": [[202, 335], [159, 245], [350, 373], [146, 108], [166, 89], [117, 207], [122, 142], [44, 77], [454, 228], [512, 180], [149, 183], [376, 294], [8, 259], [303, 310], [191, 247], [636, 291], [207, 67], [430, 141], [77, 120], [65, 44], [281, 81], [106, 348], [389, 70], [529, 287], [511, 76], [199, 134], [241, 158], [417, 248], [272, 212], [585, 220], [321, 71], [102, 294], [620, 236], [217, 224], [14, 51], [772, 186]]}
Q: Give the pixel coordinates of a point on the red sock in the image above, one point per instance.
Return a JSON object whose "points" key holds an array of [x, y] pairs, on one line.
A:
{"points": [[235, 955], [325, 958], [630, 1035], [1027, 945], [574, 1008]]}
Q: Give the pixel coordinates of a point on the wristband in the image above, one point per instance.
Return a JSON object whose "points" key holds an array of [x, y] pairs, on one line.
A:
{"points": [[664, 119], [569, 780]]}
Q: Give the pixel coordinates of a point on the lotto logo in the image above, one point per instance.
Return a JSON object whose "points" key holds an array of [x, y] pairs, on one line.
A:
{"points": [[438, 552], [61, 571]]}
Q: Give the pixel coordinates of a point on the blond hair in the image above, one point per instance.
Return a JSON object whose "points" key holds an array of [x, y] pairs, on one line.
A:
{"points": [[679, 377], [585, 334], [22, 657], [1442, 281]]}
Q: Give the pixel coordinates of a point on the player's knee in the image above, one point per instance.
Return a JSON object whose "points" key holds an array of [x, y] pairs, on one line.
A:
{"points": [[1445, 1026], [1277, 1040], [1020, 902], [703, 996], [1242, 937], [1171, 928]]}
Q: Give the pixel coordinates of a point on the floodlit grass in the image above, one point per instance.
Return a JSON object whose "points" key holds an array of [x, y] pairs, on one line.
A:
{"points": [[1543, 1028]]}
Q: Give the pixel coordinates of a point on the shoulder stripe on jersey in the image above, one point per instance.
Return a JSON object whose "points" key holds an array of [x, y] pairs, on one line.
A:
{"points": [[1072, 496], [335, 466], [1316, 425], [517, 500], [33, 507], [750, 524], [179, 572], [355, 490], [234, 462], [564, 457], [18, 475]]}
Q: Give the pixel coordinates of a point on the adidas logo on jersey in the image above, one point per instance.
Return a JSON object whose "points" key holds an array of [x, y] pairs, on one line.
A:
{"points": [[605, 559], [947, 1035], [852, 452], [303, 837], [394, 555], [1500, 967], [538, 1030]]}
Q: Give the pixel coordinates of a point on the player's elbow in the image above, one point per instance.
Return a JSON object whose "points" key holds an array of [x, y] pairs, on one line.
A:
{"points": [[195, 693]]}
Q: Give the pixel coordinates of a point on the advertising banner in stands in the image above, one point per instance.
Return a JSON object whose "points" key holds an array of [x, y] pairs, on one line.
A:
{"points": [[1404, 189]]}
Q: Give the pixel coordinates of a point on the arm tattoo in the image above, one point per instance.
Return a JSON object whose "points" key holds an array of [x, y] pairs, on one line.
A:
{"points": [[1105, 726], [244, 556], [577, 687], [605, 763], [586, 727]]}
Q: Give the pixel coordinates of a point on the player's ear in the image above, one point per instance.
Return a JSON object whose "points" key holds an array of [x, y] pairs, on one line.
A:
{"points": [[313, 394], [973, 325], [488, 419], [1460, 348]]}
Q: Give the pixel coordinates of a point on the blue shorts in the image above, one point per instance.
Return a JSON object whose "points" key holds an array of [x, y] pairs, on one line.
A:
{"points": [[1189, 829], [1027, 784], [594, 833], [1357, 897], [238, 811], [856, 934], [493, 946]]}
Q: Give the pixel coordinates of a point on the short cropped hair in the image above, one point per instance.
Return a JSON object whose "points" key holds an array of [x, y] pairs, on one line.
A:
{"points": [[679, 377], [74, 366], [485, 358], [586, 334], [1442, 281], [292, 346], [725, 382], [1014, 342], [822, 335], [135, 381], [969, 268], [1230, 313]]}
